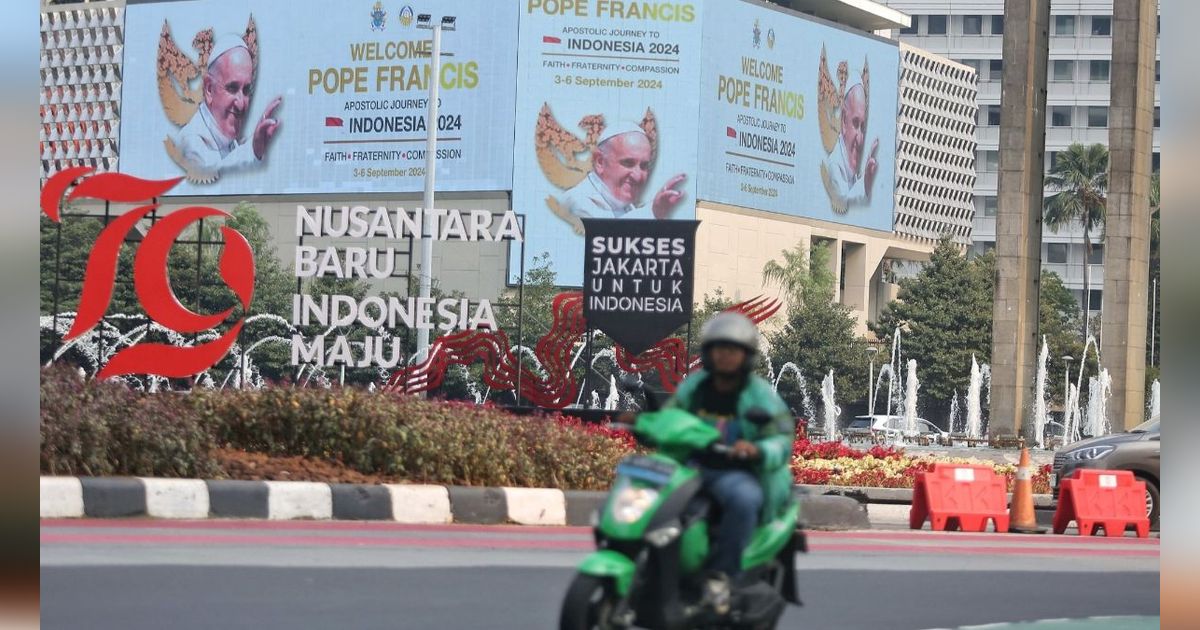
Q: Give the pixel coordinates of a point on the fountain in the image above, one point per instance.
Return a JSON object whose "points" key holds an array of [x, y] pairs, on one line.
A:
{"points": [[953, 419], [1155, 399], [830, 407], [806, 402], [910, 399], [1099, 389], [891, 374], [1073, 416], [1039, 396], [614, 395], [974, 428]]}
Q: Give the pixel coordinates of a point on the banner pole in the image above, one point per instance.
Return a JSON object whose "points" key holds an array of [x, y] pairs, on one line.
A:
{"points": [[430, 169]]}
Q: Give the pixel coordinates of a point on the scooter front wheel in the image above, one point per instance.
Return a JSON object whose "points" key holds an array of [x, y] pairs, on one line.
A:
{"points": [[589, 604]]}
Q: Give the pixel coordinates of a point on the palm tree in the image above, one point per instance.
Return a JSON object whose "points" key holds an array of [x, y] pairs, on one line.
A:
{"points": [[802, 275], [1079, 179]]}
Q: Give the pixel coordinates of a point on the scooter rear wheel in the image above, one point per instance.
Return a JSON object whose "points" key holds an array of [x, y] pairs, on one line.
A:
{"points": [[589, 604]]}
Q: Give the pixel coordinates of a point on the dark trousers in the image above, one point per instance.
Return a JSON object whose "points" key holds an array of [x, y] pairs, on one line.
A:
{"points": [[741, 498]]}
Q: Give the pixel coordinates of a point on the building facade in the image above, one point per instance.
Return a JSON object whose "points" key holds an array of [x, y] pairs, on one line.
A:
{"points": [[82, 72], [1077, 103]]}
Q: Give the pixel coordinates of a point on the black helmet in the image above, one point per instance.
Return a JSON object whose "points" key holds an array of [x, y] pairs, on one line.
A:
{"points": [[732, 328]]}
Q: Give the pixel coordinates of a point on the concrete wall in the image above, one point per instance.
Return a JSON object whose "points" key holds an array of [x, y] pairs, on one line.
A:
{"points": [[733, 244]]}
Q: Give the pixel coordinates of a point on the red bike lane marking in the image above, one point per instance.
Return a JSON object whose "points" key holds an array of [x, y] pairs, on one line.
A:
{"points": [[375, 526], [314, 541], [1050, 539]]}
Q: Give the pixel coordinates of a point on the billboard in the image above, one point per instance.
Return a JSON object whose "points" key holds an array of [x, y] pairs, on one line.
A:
{"points": [[263, 97], [606, 120], [797, 117]]}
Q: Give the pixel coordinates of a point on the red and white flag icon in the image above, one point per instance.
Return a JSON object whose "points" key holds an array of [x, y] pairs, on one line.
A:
{"points": [[729, 131], [333, 121], [550, 39]]}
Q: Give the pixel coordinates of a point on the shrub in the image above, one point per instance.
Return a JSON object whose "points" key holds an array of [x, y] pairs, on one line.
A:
{"points": [[94, 429]]}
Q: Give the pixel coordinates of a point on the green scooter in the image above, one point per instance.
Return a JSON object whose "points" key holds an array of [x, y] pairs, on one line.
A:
{"points": [[652, 539]]}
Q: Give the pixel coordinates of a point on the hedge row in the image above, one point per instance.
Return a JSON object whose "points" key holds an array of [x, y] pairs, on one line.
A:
{"points": [[91, 428]]}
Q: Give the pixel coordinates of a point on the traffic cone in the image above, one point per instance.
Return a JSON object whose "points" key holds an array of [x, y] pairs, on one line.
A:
{"points": [[1021, 518]]}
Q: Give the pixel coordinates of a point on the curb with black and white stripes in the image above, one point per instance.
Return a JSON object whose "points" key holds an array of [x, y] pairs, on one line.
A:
{"points": [[120, 497], [125, 497]]}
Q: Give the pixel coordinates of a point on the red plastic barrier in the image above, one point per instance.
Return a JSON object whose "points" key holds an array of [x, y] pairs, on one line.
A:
{"points": [[959, 496], [1110, 499]]}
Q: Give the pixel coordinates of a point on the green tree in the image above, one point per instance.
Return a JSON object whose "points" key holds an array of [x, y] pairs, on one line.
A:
{"points": [[702, 311], [819, 335], [945, 316], [1079, 179]]}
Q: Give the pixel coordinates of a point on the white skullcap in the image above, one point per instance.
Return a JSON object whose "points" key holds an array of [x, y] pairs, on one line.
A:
{"points": [[224, 43], [619, 129]]}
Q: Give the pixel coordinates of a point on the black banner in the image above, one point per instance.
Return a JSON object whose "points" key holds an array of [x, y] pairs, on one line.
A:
{"points": [[637, 278]]}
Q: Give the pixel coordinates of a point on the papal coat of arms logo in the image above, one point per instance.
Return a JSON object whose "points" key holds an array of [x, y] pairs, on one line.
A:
{"points": [[378, 17]]}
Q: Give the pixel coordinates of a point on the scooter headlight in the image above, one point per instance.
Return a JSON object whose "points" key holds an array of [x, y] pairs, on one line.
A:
{"points": [[631, 503]]}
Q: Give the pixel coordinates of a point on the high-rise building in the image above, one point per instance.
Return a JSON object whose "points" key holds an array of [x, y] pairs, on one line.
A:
{"points": [[1077, 101]]}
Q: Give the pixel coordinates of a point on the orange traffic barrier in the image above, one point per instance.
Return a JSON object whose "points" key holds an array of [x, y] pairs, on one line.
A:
{"points": [[1110, 499], [1022, 519], [959, 496]]}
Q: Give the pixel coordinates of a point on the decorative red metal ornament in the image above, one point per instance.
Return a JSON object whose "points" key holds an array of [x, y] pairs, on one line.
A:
{"points": [[150, 278], [558, 388]]}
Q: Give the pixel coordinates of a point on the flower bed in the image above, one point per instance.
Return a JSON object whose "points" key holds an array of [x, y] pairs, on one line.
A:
{"points": [[899, 471]]}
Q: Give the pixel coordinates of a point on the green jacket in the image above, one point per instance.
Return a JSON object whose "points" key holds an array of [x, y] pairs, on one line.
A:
{"points": [[774, 440]]}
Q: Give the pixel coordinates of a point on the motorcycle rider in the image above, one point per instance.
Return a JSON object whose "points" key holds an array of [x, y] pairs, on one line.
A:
{"points": [[756, 482]]}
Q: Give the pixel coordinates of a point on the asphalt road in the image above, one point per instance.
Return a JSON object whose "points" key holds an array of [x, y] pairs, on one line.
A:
{"points": [[265, 575]]}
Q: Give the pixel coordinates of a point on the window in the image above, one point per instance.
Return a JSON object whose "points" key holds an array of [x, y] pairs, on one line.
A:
{"points": [[1155, 162], [911, 29], [974, 64], [997, 25], [1063, 70], [1097, 116], [990, 206], [1099, 70], [1097, 257], [1097, 299], [1064, 25], [991, 115], [1156, 117], [1157, 70], [1101, 25], [1051, 158], [995, 69], [935, 24], [988, 161], [1060, 115], [972, 25], [1056, 253]]}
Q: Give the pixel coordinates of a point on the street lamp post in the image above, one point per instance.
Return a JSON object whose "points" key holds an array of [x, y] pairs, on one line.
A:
{"points": [[425, 21], [871, 350]]}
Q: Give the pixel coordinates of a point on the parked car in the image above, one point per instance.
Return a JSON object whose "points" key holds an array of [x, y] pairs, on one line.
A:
{"points": [[880, 427], [1136, 450]]}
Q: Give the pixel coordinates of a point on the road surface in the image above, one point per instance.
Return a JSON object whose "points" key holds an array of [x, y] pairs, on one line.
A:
{"points": [[347, 575]]}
